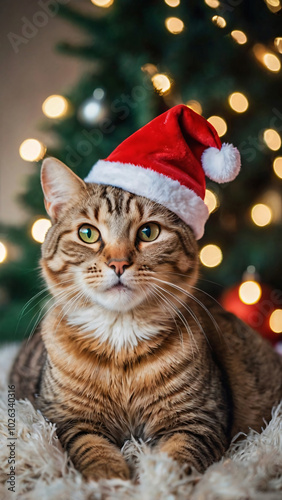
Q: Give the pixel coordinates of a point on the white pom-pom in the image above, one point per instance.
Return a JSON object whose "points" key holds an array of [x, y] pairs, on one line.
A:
{"points": [[221, 165]]}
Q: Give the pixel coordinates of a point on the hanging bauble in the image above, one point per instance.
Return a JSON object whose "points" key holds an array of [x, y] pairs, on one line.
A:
{"points": [[94, 110], [256, 304]]}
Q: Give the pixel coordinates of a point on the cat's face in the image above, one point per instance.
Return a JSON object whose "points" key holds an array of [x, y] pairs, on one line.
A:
{"points": [[110, 247]]}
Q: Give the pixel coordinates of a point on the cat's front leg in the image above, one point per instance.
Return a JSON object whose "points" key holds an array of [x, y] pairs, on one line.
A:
{"points": [[196, 450], [94, 456]]}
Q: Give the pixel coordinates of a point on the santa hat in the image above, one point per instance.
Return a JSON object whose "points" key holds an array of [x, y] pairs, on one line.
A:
{"points": [[166, 161]]}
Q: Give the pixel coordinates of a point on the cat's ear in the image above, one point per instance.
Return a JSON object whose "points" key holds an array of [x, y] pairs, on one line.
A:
{"points": [[60, 185]]}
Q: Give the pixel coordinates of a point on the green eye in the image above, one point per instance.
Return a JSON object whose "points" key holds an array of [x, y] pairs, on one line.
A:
{"points": [[148, 232], [88, 234]]}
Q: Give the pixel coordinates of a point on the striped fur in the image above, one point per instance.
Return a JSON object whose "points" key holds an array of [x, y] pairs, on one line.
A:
{"points": [[156, 359]]}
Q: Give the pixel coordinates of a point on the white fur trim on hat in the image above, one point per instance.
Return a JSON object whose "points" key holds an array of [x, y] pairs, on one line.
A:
{"points": [[156, 187], [221, 165]]}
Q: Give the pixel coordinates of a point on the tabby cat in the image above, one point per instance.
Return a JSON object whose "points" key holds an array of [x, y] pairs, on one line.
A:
{"points": [[131, 346]]}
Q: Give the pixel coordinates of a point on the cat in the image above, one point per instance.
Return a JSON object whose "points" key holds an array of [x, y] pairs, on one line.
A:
{"points": [[131, 346]]}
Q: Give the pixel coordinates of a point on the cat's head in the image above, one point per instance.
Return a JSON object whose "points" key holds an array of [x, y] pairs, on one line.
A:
{"points": [[111, 247]]}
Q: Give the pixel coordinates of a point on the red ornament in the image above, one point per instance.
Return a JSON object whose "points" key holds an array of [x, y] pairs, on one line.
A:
{"points": [[256, 315]]}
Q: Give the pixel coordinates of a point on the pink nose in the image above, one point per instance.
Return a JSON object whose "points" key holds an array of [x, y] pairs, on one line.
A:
{"points": [[118, 266]]}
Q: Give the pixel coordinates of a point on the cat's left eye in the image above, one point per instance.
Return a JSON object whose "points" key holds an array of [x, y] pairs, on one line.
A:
{"points": [[88, 233], [148, 232]]}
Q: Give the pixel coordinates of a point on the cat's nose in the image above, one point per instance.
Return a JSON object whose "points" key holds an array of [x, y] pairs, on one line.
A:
{"points": [[118, 266]]}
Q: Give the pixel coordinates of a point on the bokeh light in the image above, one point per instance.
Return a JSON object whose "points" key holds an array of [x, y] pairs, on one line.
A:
{"points": [[211, 255], [55, 106], [174, 25], [277, 166], [239, 36], [271, 62], [219, 124], [250, 292], [238, 102], [3, 252], [195, 106], [161, 83], [211, 200], [272, 139], [172, 3], [39, 229], [275, 321], [278, 44], [32, 150], [103, 3], [213, 3], [219, 21], [261, 214]]}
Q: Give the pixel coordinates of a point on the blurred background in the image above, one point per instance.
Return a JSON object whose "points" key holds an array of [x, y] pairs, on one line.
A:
{"points": [[79, 76]]}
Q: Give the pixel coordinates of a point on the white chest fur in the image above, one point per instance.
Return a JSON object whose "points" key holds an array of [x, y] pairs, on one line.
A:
{"points": [[120, 329]]}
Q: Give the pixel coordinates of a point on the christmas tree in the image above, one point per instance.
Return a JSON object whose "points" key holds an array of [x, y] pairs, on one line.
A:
{"points": [[220, 58]]}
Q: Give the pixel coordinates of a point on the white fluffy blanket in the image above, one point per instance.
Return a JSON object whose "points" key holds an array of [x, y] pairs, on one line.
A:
{"points": [[251, 470]]}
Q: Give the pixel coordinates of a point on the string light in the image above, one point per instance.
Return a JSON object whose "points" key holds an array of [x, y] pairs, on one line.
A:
{"points": [[172, 3], [161, 83], [278, 44], [219, 21], [214, 4], [239, 36], [261, 214], [174, 25], [3, 252], [195, 106], [277, 166], [211, 200], [275, 321], [211, 255], [273, 5], [271, 62], [272, 139], [219, 124], [32, 150], [55, 106], [103, 3], [39, 229], [238, 102], [250, 292]]}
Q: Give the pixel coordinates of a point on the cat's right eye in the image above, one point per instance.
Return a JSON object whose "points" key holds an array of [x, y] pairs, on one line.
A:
{"points": [[88, 233]]}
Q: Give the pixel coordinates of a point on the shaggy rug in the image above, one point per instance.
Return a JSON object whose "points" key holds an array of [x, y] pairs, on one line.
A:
{"points": [[250, 470]]}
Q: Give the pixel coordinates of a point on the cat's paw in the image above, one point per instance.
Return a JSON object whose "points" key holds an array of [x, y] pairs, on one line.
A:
{"points": [[111, 469]]}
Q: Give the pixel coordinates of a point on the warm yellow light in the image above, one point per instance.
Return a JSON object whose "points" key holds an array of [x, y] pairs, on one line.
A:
{"points": [[272, 139], [161, 83], [3, 252], [213, 3], [238, 102], [261, 214], [219, 124], [250, 292], [273, 3], [32, 150], [195, 106], [277, 166], [272, 62], [239, 36], [211, 255], [219, 21], [55, 106], [278, 43], [174, 25], [103, 3], [211, 200], [39, 229], [172, 3], [275, 321]]}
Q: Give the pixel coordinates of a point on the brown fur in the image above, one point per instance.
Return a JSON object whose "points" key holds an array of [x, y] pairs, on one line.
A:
{"points": [[197, 378]]}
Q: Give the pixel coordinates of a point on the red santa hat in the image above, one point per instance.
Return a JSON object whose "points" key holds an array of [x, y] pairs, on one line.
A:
{"points": [[167, 160]]}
